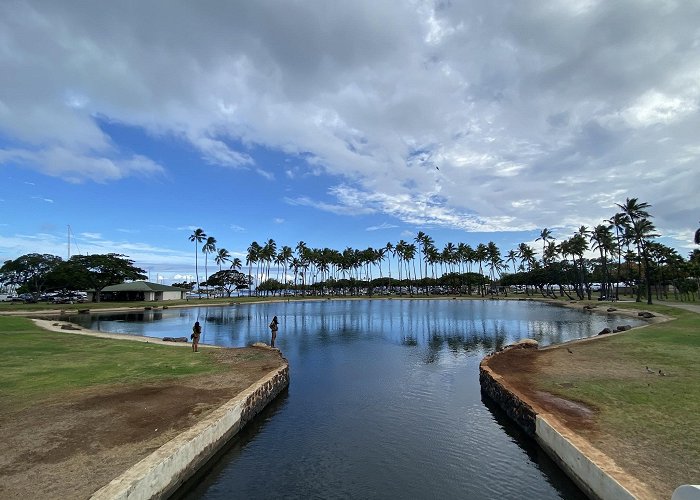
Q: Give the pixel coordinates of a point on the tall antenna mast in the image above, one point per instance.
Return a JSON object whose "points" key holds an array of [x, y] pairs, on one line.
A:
{"points": [[68, 241]]}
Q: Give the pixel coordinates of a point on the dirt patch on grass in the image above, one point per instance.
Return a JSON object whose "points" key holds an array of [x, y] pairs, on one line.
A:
{"points": [[640, 460], [71, 446]]}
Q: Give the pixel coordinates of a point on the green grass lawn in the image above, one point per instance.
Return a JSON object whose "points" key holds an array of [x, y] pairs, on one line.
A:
{"points": [[36, 364], [654, 419]]}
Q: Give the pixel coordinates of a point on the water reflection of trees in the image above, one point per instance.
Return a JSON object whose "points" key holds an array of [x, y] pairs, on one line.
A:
{"points": [[455, 327]]}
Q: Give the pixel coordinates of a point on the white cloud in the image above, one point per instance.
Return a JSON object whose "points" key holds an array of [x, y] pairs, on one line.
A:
{"points": [[73, 166], [46, 200], [554, 102], [384, 225], [657, 108]]}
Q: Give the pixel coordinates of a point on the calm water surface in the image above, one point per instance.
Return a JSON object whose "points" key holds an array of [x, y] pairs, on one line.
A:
{"points": [[384, 399]]}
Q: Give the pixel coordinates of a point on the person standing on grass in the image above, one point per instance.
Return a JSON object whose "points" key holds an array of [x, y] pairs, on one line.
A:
{"points": [[196, 333], [273, 328]]}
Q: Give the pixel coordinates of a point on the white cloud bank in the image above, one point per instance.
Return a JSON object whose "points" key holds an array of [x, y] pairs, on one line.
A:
{"points": [[485, 116]]}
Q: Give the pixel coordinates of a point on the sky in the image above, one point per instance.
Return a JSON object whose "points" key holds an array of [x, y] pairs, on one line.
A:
{"points": [[126, 125]]}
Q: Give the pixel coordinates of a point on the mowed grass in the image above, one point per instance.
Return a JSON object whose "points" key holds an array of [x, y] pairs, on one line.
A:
{"points": [[36, 364], [648, 419]]}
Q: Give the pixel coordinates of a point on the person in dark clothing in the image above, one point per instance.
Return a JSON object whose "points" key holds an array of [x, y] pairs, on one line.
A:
{"points": [[196, 333], [274, 326]]}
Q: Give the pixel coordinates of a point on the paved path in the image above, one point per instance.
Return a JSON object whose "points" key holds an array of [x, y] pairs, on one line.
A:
{"points": [[681, 305]]}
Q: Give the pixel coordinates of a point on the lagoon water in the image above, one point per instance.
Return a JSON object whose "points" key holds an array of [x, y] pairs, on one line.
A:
{"points": [[384, 398]]}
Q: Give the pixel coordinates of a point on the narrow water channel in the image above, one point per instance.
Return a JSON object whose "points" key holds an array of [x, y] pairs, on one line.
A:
{"points": [[384, 399]]}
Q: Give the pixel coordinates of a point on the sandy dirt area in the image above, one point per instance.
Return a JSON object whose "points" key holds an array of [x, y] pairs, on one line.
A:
{"points": [[635, 463], [72, 446]]}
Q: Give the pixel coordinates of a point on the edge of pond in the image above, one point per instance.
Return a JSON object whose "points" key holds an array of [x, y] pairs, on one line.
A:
{"points": [[163, 472], [593, 471], [160, 474]]}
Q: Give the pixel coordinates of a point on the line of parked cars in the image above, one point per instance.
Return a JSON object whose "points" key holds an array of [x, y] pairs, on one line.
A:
{"points": [[52, 297]]}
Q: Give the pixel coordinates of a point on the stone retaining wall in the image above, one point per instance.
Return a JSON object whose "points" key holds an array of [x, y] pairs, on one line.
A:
{"points": [[517, 409], [588, 474], [160, 474]]}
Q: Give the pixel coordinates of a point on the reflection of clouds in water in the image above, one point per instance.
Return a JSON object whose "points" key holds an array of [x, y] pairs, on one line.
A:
{"points": [[474, 327], [389, 386]]}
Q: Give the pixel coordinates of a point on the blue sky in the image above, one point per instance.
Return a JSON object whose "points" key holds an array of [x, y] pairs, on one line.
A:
{"points": [[351, 124]]}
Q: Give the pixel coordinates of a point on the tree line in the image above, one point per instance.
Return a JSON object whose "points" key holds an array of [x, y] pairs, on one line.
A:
{"points": [[627, 255], [35, 273]]}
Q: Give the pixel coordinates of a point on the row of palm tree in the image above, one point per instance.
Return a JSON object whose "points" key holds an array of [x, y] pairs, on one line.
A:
{"points": [[222, 257], [421, 263]]}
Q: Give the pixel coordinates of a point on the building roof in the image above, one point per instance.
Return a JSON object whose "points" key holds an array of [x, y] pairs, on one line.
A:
{"points": [[142, 286]]}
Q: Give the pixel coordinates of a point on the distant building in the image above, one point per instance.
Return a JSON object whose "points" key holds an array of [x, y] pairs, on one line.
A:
{"points": [[138, 291]]}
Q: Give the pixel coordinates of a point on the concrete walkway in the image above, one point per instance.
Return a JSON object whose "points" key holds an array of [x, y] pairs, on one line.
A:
{"points": [[682, 305]]}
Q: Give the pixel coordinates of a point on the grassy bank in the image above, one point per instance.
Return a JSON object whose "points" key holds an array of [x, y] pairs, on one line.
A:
{"points": [[38, 365], [645, 388]]}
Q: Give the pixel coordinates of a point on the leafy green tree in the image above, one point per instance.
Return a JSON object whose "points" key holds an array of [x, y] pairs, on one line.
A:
{"points": [[99, 271], [30, 272], [228, 280], [185, 285]]}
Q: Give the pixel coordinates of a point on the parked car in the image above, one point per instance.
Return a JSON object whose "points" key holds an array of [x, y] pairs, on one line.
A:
{"points": [[68, 298]]}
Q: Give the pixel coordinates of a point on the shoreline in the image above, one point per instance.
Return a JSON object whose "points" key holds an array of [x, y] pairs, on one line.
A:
{"points": [[596, 473], [161, 470], [542, 419]]}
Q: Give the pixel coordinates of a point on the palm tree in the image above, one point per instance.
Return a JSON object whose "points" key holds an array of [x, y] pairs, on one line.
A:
{"points": [[252, 256], [390, 252], [285, 257], [577, 247], [494, 261], [267, 255], [619, 221], [295, 265], [511, 257], [643, 230], [425, 242], [236, 263], [197, 236], [481, 254], [222, 256], [551, 252], [637, 211], [545, 236], [603, 242], [449, 255], [410, 256], [208, 247], [399, 250], [634, 209], [302, 252], [527, 256]]}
